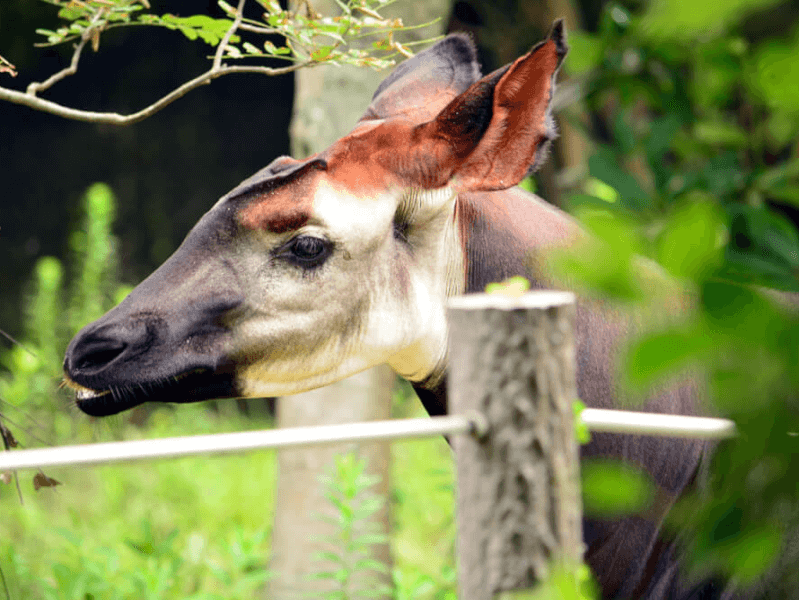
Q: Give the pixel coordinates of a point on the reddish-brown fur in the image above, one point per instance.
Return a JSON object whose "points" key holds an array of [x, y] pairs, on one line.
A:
{"points": [[281, 209]]}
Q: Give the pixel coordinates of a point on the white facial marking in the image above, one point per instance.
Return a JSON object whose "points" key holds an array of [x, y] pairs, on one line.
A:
{"points": [[377, 299]]}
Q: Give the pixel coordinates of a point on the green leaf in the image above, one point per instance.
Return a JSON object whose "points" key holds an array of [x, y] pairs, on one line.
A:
{"points": [[723, 174], [762, 237], [686, 20], [603, 166], [721, 133], [339, 575], [658, 355], [716, 71], [372, 539], [188, 32], [773, 74], [71, 13], [529, 184], [327, 556], [322, 53], [599, 268], [272, 49], [782, 126], [211, 38], [252, 49], [693, 241], [753, 553], [581, 431], [612, 488], [785, 192], [514, 287], [369, 564], [585, 52], [623, 131]]}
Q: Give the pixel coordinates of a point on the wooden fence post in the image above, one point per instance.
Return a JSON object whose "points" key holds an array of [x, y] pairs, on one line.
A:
{"points": [[519, 509]]}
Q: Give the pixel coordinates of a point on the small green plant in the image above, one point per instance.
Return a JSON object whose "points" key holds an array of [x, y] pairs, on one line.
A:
{"points": [[32, 376], [353, 572], [415, 585]]}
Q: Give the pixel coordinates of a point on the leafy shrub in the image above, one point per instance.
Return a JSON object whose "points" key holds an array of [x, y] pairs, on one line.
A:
{"points": [[690, 195]]}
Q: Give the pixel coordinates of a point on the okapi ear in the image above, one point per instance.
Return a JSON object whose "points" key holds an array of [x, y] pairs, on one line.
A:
{"points": [[419, 88], [493, 134]]}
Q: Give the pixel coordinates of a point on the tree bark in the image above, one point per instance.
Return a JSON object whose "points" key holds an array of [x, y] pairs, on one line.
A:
{"points": [[328, 102], [519, 506]]}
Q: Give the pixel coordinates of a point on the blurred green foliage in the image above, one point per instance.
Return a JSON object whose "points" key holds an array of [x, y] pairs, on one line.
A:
{"points": [[691, 195], [611, 488], [31, 370]]}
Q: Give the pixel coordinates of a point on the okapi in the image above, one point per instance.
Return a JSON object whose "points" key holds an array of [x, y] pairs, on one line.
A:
{"points": [[313, 270]]}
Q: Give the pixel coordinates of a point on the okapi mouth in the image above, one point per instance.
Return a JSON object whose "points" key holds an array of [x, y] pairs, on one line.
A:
{"points": [[195, 385]]}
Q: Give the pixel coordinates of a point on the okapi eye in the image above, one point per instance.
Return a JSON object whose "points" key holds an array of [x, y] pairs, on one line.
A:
{"points": [[308, 251]]}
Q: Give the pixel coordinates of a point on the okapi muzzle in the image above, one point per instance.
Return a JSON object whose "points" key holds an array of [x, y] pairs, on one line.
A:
{"points": [[167, 340]]}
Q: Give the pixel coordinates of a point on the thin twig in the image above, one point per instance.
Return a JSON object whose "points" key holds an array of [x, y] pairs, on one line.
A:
{"points": [[63, 73], [4, 432], [7, 67], [228, 34], [73, 65], [27, 430], [13, 341], [218, 69], [116, 119], [5, 586], [25, 414], [258, 29]]}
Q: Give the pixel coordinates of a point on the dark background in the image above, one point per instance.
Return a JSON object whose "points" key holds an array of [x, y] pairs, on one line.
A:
{"points": [[166, 170]]}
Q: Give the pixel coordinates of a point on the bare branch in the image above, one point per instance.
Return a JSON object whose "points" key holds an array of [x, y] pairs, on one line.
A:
{"points": [[31, 101], [7, 67], [302, 53], [223, 44], [89, 34], [55, 78], [258, 29]]}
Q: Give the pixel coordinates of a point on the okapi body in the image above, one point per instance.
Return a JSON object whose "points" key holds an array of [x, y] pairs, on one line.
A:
{"points": [[312, 270]]}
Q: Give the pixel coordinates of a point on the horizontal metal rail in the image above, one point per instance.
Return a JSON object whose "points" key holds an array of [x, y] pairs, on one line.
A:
{"points": [[641, 423], [597, 420], [217, 443]]}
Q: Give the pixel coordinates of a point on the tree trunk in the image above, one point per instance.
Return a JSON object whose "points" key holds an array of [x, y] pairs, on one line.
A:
{"points": [[328, 102], [519, 507]]}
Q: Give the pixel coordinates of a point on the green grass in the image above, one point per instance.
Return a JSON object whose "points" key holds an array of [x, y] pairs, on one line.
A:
{"points": [[161, 529], [198, 528]]}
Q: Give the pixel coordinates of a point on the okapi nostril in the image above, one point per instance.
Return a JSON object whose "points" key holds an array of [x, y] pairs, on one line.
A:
{"points": [[98, 357]]}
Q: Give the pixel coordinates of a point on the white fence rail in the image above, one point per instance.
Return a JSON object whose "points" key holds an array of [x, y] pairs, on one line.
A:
{"points": [[597, 420]]}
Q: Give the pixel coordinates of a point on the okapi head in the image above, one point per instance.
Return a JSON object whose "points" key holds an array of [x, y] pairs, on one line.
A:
{"points": [[312, 270]]}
